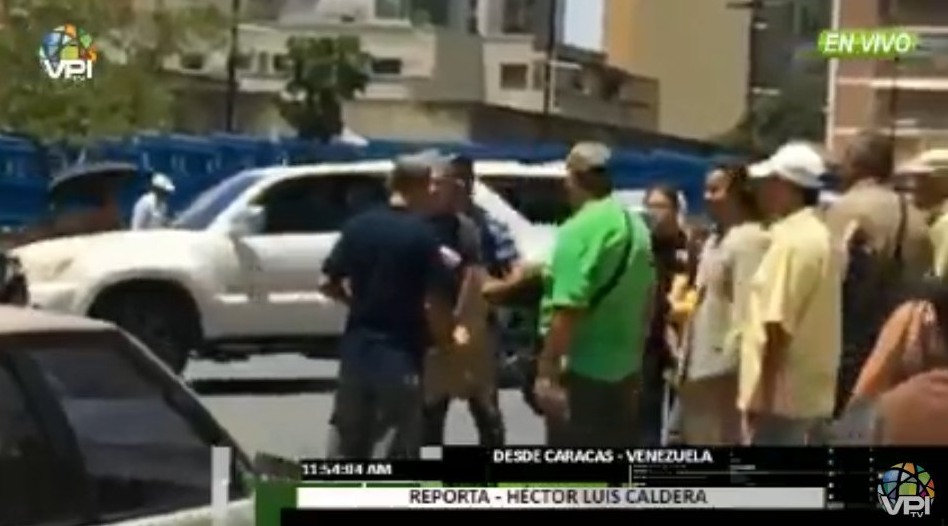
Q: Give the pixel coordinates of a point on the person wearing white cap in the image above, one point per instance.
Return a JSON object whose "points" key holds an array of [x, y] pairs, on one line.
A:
{"points": [[151, 209], [791, 337], [929, 175]]}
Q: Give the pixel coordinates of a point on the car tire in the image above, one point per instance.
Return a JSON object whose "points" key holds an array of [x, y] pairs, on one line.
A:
{"points": [[157, 321]]}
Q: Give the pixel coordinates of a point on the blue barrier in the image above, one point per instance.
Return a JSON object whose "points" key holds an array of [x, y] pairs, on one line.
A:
{"points": [[196, 162]]}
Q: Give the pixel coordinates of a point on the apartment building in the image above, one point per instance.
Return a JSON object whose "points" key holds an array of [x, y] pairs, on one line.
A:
{"points": [[428, 72], [713, 58], [906, 98]]}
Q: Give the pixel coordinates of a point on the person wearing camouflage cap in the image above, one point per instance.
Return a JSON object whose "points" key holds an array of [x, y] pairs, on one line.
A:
{"points": [[388, 268], [595, 312]]}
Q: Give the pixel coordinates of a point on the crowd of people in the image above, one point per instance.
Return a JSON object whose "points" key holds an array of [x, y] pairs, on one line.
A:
{"points": [[781, 322]]}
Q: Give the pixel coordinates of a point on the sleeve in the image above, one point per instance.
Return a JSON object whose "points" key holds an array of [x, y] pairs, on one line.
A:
{"points": [[505, 247], [880, 372], [436, 273], [470, 243], [338, 264], [574, 258], [140, 214], [790, 280]]}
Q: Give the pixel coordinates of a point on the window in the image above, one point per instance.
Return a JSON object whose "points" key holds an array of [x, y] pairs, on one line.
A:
{"points": [[392, 9], [387, 67], [192, 61], [31, 476], [541, 200], [205, 209], [319, 204], [513, 76], [243, 61], [282, 63], [143, 454], [263, 63], [517, 16]]}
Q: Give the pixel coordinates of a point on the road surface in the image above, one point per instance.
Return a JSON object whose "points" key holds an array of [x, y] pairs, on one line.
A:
{"points": [[280, 405]]}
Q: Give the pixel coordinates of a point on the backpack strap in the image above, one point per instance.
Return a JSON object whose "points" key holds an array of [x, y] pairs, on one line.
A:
{"points": [[621, 266]]}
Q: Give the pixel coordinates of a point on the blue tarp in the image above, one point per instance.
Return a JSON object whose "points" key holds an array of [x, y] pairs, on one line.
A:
{"points": [[197, 162]]}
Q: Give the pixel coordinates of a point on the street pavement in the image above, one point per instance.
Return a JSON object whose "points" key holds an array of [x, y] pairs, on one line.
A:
{"points": [[280, 405]]}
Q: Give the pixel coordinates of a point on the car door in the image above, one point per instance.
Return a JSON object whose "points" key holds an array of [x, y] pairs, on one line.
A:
{"points": [[144, 440], [303, 217]]}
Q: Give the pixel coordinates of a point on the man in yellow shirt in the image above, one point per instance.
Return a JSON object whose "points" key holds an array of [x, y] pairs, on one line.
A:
{"points": [[929, 174], [792, 341]]}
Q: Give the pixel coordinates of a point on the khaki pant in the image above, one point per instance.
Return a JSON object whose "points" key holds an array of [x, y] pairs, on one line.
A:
{"points": [[709, 415]]}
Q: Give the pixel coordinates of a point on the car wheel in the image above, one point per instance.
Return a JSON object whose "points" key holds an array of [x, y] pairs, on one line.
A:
{"points": [[158, 322]]}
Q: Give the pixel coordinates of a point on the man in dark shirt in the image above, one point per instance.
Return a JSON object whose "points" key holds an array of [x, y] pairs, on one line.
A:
{"points": [[460, 240], [387, 267]]}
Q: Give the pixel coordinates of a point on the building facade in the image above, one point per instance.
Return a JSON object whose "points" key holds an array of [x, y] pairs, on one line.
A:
{"points": [[726, 54], [906, 98], [422, 74]]}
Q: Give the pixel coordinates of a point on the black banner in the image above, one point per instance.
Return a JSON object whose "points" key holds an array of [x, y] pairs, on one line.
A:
{"points": [[851, 476]]}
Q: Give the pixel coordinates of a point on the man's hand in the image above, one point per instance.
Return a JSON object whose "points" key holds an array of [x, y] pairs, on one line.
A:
{"points": [[552, 398]]}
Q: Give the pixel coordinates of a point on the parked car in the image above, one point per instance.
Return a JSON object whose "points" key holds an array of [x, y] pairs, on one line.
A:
{"points": [[94, 429], [238, 272]]}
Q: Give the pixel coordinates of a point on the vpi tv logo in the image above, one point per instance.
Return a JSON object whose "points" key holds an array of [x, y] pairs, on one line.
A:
{"points": [[907, 489], [67, 53]]}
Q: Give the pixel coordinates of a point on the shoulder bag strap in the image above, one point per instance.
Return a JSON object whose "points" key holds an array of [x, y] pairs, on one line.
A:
{"points": [[621, 266], [899, 255]]}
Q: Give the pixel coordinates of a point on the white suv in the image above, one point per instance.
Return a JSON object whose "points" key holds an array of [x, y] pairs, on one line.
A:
{"points": [[238, 271]]}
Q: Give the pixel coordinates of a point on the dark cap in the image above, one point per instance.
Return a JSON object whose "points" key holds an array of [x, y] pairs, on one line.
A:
{"points": [[588, 156]]}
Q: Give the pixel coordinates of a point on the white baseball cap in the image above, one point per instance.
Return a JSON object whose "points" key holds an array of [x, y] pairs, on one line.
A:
{"points": [[797, 162], [162, 182]]}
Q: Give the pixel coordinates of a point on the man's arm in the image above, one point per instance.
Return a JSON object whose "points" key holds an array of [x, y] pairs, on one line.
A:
{"points": [[790, 285], [336, 270], [506, 256], [571, 268]]}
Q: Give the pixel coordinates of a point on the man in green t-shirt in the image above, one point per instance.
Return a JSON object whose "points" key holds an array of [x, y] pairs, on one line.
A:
{"points": [[595, 312]]}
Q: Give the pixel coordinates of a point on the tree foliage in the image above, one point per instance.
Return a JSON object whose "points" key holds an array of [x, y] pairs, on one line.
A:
{"points": [[129, 90], [797, 112], [324, 72]]}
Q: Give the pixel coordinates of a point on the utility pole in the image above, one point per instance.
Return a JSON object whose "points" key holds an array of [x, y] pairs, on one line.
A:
{"points": [[549, 89], [230, 100]]}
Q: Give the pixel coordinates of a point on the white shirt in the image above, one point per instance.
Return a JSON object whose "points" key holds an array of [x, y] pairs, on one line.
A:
{"points": [[150, 212]]}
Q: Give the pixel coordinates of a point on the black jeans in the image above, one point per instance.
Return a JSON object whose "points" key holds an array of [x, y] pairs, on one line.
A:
{"points": [[653, 395], [601, 414], [486, 414]]}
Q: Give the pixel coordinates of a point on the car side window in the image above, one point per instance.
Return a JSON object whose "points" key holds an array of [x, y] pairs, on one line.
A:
{"points": [[30, 476], [318, 204], [142, 454]]}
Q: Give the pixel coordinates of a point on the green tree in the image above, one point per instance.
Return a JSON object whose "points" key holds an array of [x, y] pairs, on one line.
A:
{"points": [[324, 72], [130, 89], [795, 113]]}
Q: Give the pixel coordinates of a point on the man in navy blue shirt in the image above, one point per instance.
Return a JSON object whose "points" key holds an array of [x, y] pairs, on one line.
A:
{"points": [[388, 268]]}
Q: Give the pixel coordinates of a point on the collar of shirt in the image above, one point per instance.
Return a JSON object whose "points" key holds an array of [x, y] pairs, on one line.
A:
{"points": [[804, 214]]}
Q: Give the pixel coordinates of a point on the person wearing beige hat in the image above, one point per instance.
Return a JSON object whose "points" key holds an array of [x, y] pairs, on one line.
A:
{"points": [[791, 336], [929, 174], [886, 242], [595, 312]]}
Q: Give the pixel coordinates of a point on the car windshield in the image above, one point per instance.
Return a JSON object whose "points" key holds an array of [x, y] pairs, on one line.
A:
{"points": [[202, 212]]}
